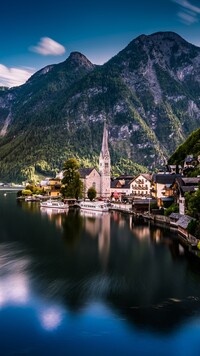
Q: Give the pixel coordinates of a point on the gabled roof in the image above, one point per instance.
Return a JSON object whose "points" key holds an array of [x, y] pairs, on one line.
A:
{"points": [[84, 172], [184, 221], [186, 188], [165, 178], [147, 176], [191, 180], [144, 175], [175, 216], [116, 183], [125, 177]]}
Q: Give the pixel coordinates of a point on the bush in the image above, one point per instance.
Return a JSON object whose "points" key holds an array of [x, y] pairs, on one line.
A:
{"points": [[91, 193], [174, 208]]}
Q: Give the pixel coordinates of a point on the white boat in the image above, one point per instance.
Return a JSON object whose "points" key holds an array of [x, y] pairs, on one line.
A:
{"points": [[32, 199], [94, 206], [54, 204]]}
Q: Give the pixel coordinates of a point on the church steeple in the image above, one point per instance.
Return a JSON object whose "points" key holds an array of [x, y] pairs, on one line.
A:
{"points": [[104, 164], [104, 149]]}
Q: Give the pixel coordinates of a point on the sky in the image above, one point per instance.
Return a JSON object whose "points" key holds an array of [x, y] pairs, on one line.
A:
{"points": [[37, 33]]}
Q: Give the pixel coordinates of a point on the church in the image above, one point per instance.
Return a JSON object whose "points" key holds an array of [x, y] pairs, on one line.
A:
{"points": [[99, 179]]}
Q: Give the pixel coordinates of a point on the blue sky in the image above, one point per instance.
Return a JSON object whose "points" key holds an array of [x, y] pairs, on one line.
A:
{"points": [[37, 33]]}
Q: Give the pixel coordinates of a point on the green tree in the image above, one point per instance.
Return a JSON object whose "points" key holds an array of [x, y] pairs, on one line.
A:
{"points": [[173, 208], [193, 203], [26, 192], [91, 193], [72, 185]]}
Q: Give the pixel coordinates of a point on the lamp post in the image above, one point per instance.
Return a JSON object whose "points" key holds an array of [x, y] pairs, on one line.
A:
{"points": [[149, 206]]}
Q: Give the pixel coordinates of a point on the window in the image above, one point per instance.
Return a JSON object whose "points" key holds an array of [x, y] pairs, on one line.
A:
{"points": [[94, 185]]}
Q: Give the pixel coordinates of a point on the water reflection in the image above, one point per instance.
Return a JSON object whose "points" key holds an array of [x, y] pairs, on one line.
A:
{"points": [[51, 318], [71, 260], [14, 283]]}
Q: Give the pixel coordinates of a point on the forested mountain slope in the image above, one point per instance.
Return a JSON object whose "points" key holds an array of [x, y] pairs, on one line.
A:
{"points": [[148, 93]]}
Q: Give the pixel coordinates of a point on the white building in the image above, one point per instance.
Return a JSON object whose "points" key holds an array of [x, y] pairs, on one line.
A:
{"points": [[140, 186]]}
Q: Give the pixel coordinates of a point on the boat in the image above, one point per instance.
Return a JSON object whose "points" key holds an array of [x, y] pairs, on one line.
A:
{"points": [[54, 204], [94, 206], [32, 199]]}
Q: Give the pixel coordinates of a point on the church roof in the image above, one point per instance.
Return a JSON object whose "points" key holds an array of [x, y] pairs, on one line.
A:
{"points": [[85, 171]]}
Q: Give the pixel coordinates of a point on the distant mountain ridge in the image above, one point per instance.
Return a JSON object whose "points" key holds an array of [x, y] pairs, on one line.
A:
{"points": [[148, 93]]}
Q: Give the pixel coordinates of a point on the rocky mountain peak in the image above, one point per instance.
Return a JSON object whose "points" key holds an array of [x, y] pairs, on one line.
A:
{"points": [[157, 37], [78, 59]]}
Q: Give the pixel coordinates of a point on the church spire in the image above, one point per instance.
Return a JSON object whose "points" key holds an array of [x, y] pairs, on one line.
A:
{"points": [[104, 149], [104, 165]]}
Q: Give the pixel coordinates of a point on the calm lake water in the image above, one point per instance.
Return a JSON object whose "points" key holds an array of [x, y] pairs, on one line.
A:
{"points": [[74, 284]]}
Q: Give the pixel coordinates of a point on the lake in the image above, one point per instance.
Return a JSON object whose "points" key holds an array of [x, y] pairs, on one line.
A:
{"points": [[78, 284]]}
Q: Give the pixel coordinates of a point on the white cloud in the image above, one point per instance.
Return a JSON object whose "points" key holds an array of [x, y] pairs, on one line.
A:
{"points": [[187, 18], [188, 13], [12, 77], [186, 4], [46, 46]]}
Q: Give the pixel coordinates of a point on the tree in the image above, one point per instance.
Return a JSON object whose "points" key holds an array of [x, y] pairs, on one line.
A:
{"points": [[26, 192], [193, 203], [91, 193], [72, 185]]}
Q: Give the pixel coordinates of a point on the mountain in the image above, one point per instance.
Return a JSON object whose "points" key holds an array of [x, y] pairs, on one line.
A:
{"points": [[190, 147], [148, 93]]}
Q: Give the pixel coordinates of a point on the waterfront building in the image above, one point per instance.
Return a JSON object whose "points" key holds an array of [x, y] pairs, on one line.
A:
{"points": [[181, 186], [162, 188], [140, 186], [120, 187]]}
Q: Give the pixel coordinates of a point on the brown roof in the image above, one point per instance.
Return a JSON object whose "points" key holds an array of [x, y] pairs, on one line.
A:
{"points": [[147, 176]]}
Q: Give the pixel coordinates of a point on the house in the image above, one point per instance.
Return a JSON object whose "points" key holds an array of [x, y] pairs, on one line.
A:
{"points": [[190, 163], [181, 186], [140, 186], [182, 224], [174, 168], [174, 217], [142, 205], [52, 186], [120, 187], [162, 188]]}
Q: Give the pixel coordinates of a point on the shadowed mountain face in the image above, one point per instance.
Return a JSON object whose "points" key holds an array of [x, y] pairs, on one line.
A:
{"points": [[148, 94]]}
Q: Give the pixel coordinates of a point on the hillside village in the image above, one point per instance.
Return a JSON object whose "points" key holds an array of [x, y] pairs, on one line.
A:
{"points": [[164, 193]]}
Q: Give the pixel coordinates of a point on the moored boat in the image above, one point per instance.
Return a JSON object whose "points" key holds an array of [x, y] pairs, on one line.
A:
{"points": [[54, 204], [94, 206]]}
